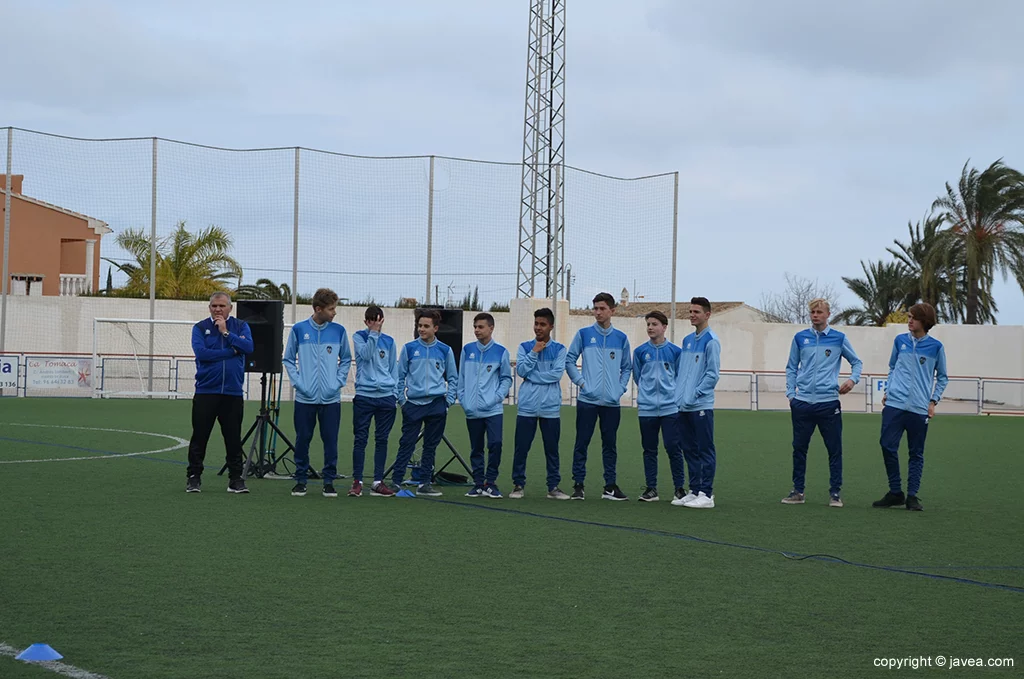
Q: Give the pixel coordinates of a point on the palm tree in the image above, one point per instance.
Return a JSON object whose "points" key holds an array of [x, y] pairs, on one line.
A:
{"points": [[882, 291], [188, 265], [925, 282], [939, 282], [265, 289], [985, 220]]}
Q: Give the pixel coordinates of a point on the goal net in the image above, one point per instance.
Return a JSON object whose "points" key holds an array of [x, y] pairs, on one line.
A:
{"points": [[142, 358]]}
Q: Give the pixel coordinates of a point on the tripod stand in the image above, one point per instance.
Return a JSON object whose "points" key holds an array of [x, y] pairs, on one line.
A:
{"points": [[455, 456], [257, 460]]}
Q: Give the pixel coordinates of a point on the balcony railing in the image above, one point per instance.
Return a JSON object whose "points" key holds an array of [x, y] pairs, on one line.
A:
{"points": [[72, 284]]}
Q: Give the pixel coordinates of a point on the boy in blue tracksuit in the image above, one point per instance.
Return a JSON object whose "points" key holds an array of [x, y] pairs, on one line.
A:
{"points": [[602, 382], [540, 363], [812, 387], [376, 359], [220, 343], [485, 376], [317, 358], [427, 384], [655, 372], [917, 378], [699, 368]]}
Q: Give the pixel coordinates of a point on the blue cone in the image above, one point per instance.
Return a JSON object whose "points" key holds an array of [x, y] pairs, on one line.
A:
{"points": [[38, 653], [405, 492]]}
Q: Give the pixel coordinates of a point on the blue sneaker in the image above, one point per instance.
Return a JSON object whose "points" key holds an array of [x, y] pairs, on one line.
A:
{"points": [[478, 491], [491, 491]]}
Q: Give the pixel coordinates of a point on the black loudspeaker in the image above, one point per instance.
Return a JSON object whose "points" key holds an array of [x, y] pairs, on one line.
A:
{"points": [[266, 321], [450, 330]]}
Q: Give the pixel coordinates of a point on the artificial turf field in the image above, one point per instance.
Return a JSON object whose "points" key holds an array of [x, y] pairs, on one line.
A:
{"points": [[110, 561]]}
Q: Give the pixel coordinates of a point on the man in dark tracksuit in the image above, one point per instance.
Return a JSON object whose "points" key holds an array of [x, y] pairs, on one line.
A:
{"points": [[220, 343]]}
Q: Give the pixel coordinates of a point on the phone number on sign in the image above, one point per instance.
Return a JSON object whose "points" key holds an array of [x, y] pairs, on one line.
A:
{"points": [[942, 661]]}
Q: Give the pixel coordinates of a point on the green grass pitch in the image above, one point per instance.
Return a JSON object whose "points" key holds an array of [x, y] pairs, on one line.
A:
{"points": [[111, 563]]}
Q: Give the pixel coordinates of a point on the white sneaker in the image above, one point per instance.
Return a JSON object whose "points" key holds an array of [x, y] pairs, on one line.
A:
{"points": [[517, 493], [702, 501], [685, 500]]}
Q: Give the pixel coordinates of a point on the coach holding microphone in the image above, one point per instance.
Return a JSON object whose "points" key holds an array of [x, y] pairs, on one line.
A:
{"points": [[220, 343]]}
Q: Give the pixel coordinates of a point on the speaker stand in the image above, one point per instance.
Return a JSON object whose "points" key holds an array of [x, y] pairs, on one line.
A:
{"points": [[455, 456], [260, 461]]}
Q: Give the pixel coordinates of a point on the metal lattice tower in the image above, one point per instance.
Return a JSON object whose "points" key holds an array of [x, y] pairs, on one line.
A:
{"points": [[541, 236]]}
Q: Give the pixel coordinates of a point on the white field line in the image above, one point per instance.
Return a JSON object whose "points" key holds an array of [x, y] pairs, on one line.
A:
{"points": [[178, 443], [54, 665]]}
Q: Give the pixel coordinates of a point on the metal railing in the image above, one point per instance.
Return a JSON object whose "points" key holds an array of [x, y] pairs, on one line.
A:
{"points": [[120, 376]]}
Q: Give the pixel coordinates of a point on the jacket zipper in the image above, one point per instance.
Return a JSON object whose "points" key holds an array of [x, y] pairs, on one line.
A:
{"points": [[223, 364]]}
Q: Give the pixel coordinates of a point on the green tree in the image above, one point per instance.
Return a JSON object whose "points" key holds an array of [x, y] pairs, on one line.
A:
{"points": [[882, 293], [188, 265], [471, 302], [984, 216], [265, 289]]}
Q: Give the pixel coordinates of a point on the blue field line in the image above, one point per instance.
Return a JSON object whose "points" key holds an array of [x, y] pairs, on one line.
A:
{"points": [[753, 548], [905, 570]]}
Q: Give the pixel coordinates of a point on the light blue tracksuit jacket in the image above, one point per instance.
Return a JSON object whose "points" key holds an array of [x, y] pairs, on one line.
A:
{"points": [[485, 377], [317, 358], [606, 364]]}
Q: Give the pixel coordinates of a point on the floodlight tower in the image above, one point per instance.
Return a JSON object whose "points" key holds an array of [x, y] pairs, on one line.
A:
{"points": [[541, 236]]}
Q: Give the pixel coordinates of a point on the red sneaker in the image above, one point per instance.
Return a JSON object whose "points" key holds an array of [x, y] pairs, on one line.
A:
{"points": [[356, 490], [381, 490]]}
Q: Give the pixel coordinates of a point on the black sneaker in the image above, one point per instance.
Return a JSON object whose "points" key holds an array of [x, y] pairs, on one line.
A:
{"points": [[193, 485], [890, 500], [237, 486], [649, 495], [329, 490], [612, 492], [913, 504], [577, 492], [299, 490]]}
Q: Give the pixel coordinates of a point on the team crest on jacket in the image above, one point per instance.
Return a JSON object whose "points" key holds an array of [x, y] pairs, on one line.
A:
{"points": [[648, 356], [306, 336], [921, 360], [828, 352], [666, 365], [696, 359], [329, 348], [613, 355], [593, 340], [207, 331], [437, 364], [416, 353], [489, 368], [807, 341], [472, 355], [381, 353]]}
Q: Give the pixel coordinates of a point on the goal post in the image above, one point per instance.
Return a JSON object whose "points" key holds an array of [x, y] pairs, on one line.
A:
{"points": [[138, 357]]}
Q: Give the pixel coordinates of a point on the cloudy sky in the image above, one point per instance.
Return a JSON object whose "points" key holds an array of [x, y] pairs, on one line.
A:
{"points": [[806, 134]]}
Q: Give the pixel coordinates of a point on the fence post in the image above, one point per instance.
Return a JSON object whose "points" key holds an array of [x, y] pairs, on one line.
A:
{"points": [[152, 273], [7, 244], [675, 238], [430, 224], [295, 239], [556, 232]]}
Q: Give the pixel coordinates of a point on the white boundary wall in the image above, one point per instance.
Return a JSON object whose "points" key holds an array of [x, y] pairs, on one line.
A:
{"points": [[752, 352], [63, 326]]}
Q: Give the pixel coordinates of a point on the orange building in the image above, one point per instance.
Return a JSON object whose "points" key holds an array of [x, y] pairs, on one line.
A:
{"points": [[54, 251]]}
